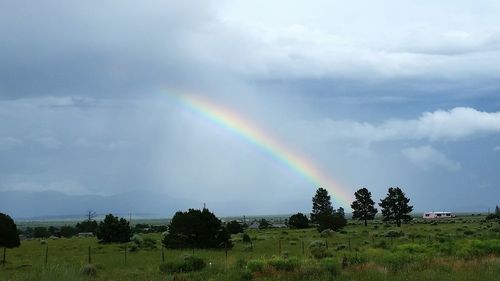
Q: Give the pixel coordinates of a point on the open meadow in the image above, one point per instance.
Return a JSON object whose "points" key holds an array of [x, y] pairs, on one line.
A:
{"points": [[463, 248]]}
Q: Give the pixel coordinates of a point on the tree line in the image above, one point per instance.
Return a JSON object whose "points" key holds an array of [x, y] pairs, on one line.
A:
{"points": [[202, 229]]}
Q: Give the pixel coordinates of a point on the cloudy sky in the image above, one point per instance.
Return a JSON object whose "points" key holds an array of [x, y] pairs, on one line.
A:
{"points": [[374, 93]]}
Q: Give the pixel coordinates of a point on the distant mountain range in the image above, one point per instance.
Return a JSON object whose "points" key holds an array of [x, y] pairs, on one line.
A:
{"points": [[50, 205]]}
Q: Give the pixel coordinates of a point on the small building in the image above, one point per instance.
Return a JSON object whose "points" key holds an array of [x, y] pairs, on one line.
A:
{"points": [[85, 234], [438, 215]]}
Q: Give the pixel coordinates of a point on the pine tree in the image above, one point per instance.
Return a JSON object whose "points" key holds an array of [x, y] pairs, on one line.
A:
{"points": [[363, 207], [395, 206], [323, 213]]}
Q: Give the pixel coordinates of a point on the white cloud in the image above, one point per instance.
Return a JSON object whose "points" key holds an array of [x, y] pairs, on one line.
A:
{"points": [[9, 142], [427, 157], [68, 187], [455, 124], [49, 142]]}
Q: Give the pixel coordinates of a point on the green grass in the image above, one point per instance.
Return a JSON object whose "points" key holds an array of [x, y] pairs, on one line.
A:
{"points": [[466, 248]]}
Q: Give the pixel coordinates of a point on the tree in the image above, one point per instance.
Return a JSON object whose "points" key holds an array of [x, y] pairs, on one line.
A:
{"points": [[87, 226], [234, 227], [9, 238], [67, 231], [264, 224], [298, 221], [113, 229], [196, 229], [363, 207], [40, 232], [497, 211], [323, 214], [395, 206]]}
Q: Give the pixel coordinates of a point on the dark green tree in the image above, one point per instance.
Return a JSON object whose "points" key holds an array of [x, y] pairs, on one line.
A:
{"points": [[196, 229], [234, 227], [298, 221], [41, 232], [395, 207], [363, 207], [9, 237], [67, 231], [113, 229], [497, 211], [323, 214], [264, 224], [87, 226]]}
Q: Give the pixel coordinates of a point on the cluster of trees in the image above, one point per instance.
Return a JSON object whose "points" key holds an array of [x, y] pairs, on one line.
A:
{"points": [[395, 207]]}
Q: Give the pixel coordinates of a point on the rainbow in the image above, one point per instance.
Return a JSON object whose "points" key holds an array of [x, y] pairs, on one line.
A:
{"points": [[248, 131]]}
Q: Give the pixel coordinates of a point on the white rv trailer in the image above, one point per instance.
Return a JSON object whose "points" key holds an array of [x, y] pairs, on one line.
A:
{"points": [[438, 215]]}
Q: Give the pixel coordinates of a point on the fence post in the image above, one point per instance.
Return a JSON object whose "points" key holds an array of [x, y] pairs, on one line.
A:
{"points": [[349, 243], [90, 256], [279, 248], [225, 249], [326, 240], [3, 261], [303, 250], [46, 255], [126, 250], [162, 253]]}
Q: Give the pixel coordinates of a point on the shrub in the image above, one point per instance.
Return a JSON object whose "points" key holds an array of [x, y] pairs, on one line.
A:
{"points": [[411, 248], [468, 232], [282, 264], [246, 238], [89, 270], [326, 233], [256, 265], [318, 249], [311, 271], [394, 233], [331, 266], [187, 264], [246, 275]]}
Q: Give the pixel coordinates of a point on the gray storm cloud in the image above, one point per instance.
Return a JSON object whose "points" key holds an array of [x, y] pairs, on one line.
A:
{"points": [[376, 94]]}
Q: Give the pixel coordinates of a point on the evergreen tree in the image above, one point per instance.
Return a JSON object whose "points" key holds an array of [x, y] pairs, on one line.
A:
{"points": [[9, 238], [298, 221], [196, 229], [497, 211], [234, 227], [395, 206], [323, 214], [113, 229], [363, 207]]}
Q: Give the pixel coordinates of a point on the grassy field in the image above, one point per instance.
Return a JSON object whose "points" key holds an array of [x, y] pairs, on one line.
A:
{"points": [[465, 248]]}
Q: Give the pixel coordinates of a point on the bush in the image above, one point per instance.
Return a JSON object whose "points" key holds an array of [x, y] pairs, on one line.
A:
{"points": [[246, 238], [326, 233], [318, 249], [331, 266], [256, 265], [282, 264], [187, 264], [311, 271], [394, 233], [89, 270]]}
